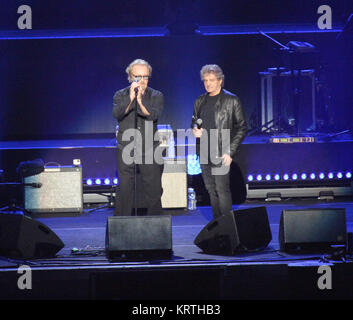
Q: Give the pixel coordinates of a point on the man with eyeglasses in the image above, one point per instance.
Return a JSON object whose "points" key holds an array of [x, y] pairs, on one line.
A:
{"points": [[137, 109]]}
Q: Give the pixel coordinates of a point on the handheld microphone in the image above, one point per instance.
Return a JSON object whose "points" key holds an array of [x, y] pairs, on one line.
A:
{"points": [[34, 185], [198, 123], [136, 89]]}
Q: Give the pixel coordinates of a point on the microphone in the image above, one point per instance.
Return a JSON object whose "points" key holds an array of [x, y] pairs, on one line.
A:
{"points": [[198, 123], [136, 89], [34, 185]]}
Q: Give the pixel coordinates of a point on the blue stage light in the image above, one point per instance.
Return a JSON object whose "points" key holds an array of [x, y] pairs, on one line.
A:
{"points": [[250, 177], [348, 175], [330, 175], [106, 181], [303, 176], [277, 177], [98, 181], [312, 176], [115, 181], [89, 182], [294, 176], [259, 177], [268, 177], [339, 175], [321, 175], [285, 176]]}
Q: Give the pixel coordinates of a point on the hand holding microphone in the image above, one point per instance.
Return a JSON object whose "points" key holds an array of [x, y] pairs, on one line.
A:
{"points": [[198, 123], [134, 89], [197, 128]]}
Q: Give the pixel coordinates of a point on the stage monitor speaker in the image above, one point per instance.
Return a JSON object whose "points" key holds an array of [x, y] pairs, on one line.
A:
{"points": [[312, 229], [239, 231], [138, 237], [22, 237], [60, 191]]}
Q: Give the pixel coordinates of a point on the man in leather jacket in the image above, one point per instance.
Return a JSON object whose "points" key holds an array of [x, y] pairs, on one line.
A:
{"points": [[220, 127]]}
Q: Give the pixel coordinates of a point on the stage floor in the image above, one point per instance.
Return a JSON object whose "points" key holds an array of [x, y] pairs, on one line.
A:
{"points": [[88, 230], [87, 233]]}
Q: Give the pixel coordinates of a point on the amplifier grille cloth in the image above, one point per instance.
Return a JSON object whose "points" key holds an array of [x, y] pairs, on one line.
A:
{"points": [[60, 191]]}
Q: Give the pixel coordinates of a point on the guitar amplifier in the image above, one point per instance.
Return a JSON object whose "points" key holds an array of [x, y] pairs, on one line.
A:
{"points": [[56, 189], [174, 184]]}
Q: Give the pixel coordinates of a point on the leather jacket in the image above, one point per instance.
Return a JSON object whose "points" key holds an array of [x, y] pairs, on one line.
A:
{"points": [[228, 115]]}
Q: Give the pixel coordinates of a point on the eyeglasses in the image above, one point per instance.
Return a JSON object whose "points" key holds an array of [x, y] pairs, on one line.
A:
{"points": [[138, 78]]}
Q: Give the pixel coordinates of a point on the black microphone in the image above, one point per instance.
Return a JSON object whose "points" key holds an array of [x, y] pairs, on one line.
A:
{"points": [[136, 89], [34, 185], [198, 123]]}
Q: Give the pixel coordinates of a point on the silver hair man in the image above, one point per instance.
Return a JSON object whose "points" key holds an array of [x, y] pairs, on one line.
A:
{"points": [[212, 68], [137, 62]]}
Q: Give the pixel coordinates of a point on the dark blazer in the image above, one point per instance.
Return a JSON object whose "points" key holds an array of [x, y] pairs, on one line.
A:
{"points": [[228, 115], [153, 100]]}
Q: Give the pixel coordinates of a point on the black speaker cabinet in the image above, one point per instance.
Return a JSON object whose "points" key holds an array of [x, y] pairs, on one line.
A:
{"points": [[24, 238], [239, 231], [138, 237], [312, 229]]}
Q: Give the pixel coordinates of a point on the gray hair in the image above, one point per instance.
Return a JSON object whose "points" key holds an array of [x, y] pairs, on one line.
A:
{"points": [[134, 63], [212, 68]]}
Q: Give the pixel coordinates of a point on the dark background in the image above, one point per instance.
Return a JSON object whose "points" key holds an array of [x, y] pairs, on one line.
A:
{"points": [[56, 87], [85, 14]]}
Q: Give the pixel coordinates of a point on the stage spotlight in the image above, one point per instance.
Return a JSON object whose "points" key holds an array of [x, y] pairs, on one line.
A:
{"points": [[285, 176], [321, 175], [259, 177], [312, 176], [250, 177], [348, 175], [98, 181], [268, 177], [294, 176], [115, 181], [330, 175], [339, 175], [277, 177], [303, 176], [89, 182], [106, 181]]}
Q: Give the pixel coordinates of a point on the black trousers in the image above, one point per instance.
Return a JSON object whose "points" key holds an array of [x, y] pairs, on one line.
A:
{"points": [[151, 177], [218, 188]]}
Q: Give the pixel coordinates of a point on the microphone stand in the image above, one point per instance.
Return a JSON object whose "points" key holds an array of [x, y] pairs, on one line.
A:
{"points": [[135, 150], [33, 185], [12, 203]]}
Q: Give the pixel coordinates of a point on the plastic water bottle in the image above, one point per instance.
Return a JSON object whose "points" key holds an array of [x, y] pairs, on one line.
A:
{"points": [[191, 199]]}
